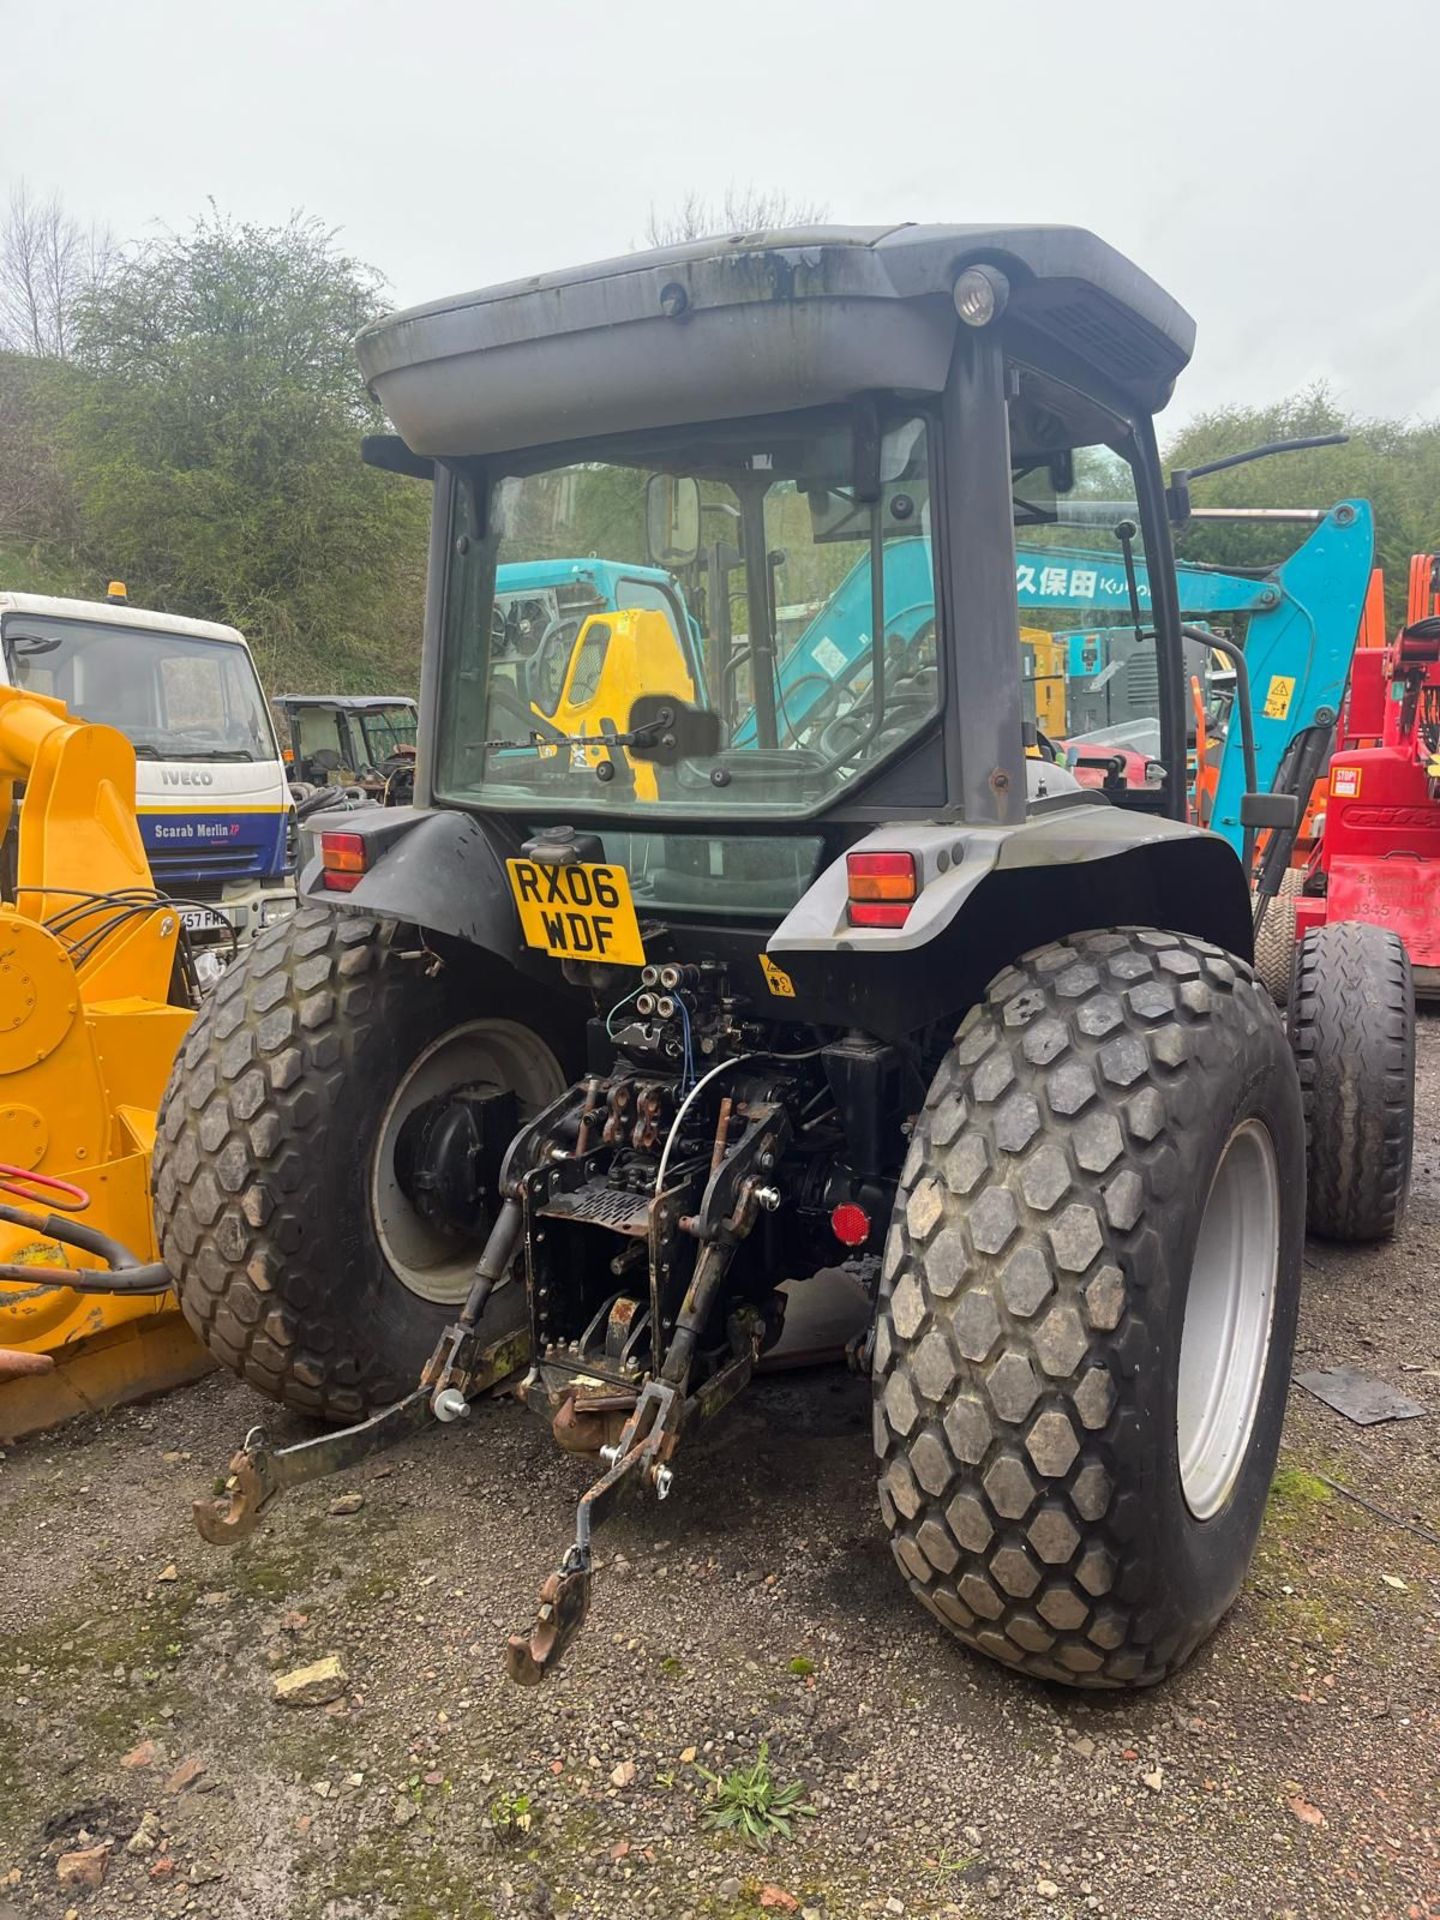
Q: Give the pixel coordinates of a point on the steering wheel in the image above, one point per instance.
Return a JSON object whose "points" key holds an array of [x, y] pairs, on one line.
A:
{"points": [[798, 724], [903, 711], [845, 732]]}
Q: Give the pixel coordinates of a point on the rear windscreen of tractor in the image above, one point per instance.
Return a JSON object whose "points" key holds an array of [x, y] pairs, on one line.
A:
{"points": [[175, 697], [777, 572]]}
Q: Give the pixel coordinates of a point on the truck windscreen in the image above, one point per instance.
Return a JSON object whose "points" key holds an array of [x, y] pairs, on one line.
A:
{"points": [[175, 696]]}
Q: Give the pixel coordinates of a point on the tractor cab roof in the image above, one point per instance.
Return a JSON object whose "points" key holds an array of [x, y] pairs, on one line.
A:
{"points": [[756, 323]]}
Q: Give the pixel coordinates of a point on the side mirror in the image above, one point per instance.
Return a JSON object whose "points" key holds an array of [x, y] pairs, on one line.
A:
{"points": [[1272, 810], [665, 730], [1177, 494], [672, 519]]}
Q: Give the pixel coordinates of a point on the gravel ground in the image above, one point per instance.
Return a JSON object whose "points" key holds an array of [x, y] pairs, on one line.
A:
{"points": [[1293, 1769]]}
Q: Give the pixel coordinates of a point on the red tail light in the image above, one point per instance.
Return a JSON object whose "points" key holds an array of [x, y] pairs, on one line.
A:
{"points": [[343, 857], [882, 888]]}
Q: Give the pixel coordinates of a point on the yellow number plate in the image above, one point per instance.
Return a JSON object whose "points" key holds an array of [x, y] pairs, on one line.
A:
{"points": [[582, 911]]}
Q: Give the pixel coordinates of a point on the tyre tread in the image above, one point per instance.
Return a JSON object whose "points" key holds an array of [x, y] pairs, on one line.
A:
{"points": [[1352, 1027], [1275, 942], [266, 1273], [1014, 1303]]}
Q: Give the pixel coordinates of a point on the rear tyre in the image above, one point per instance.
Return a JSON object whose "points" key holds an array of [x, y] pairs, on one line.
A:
{"points": [[1088, 1306], [1275, 942], [1352, 1025], [296, 1256]]}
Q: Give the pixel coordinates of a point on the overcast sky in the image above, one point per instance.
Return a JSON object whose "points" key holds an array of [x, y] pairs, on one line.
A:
{"points": [[1274, 164]]}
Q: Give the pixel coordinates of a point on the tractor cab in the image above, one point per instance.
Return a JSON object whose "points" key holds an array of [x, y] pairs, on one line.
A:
{"points": [[811, 464], [365, 741]]}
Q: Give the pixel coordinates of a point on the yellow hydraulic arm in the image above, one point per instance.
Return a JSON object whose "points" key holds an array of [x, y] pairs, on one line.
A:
{"points": [[78, 839], [87, 1038]]}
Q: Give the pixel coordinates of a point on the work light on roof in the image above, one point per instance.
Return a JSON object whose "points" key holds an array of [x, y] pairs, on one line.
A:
{"points": [[980, 295]]}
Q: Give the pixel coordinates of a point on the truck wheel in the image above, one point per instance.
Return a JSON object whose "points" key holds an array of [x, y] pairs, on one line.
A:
{"points": [[1352, 1025], [1275, 942], [297, 1257], [1088, 1306]]}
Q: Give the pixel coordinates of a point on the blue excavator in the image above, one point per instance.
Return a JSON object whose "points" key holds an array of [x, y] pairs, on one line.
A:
{"points": [[1299, 621]]}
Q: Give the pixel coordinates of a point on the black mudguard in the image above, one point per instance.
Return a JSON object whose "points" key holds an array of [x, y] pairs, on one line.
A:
{"points": [[431, 867]]}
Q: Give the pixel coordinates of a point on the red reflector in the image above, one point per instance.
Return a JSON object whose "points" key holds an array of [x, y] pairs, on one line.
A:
{"points": [[343, 852], [334, 882], [879, 913], [850, 1224], [881, 876]]}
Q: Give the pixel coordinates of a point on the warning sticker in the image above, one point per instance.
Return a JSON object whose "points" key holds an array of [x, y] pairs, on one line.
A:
{"points": [[1281, 693], [776, 979], [828, 657], [1345, 782]]}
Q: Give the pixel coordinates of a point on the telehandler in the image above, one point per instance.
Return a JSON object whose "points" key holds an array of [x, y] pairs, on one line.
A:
{"points": [[88, 959], [564, 1072]]}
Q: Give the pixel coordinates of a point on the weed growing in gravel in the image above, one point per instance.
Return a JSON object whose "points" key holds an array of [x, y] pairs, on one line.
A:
{"points": [[802, 1667], [948, 1866], [748, 1802], [512, 1815]]}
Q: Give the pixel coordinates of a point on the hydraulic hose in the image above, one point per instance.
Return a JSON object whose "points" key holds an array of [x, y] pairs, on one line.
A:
{"points": [[126, 1273], [154, 1278]]}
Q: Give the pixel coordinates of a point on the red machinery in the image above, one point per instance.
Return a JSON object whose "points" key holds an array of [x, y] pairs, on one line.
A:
{"points": [[1379, 851]]}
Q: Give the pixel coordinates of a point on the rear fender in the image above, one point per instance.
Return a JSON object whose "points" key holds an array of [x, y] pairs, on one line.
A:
{"points": [[989, 894], [431, 867]]}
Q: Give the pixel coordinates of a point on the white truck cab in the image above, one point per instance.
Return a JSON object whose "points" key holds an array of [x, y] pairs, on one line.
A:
{"points": [[211, 790]]}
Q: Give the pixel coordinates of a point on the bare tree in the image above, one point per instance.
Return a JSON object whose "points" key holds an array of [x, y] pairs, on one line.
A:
{"points": [[47, 261], [740, 210]]}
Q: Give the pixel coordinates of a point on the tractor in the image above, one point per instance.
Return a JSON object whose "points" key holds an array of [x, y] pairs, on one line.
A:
{"points": [[363, 744], [562, 1070]]}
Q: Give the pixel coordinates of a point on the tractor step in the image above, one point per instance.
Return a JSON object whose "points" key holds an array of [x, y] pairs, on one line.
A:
{"points": [[597, 1205]]}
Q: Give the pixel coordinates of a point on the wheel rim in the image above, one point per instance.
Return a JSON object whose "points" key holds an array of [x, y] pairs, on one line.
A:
{"points": [[1225, 1340], [498, 1056]]}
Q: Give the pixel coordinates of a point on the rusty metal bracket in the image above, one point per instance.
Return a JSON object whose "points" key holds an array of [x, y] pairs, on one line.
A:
{"points": [[588, 1420], [258, 1473], [564, 1603], [649, 1438]]}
